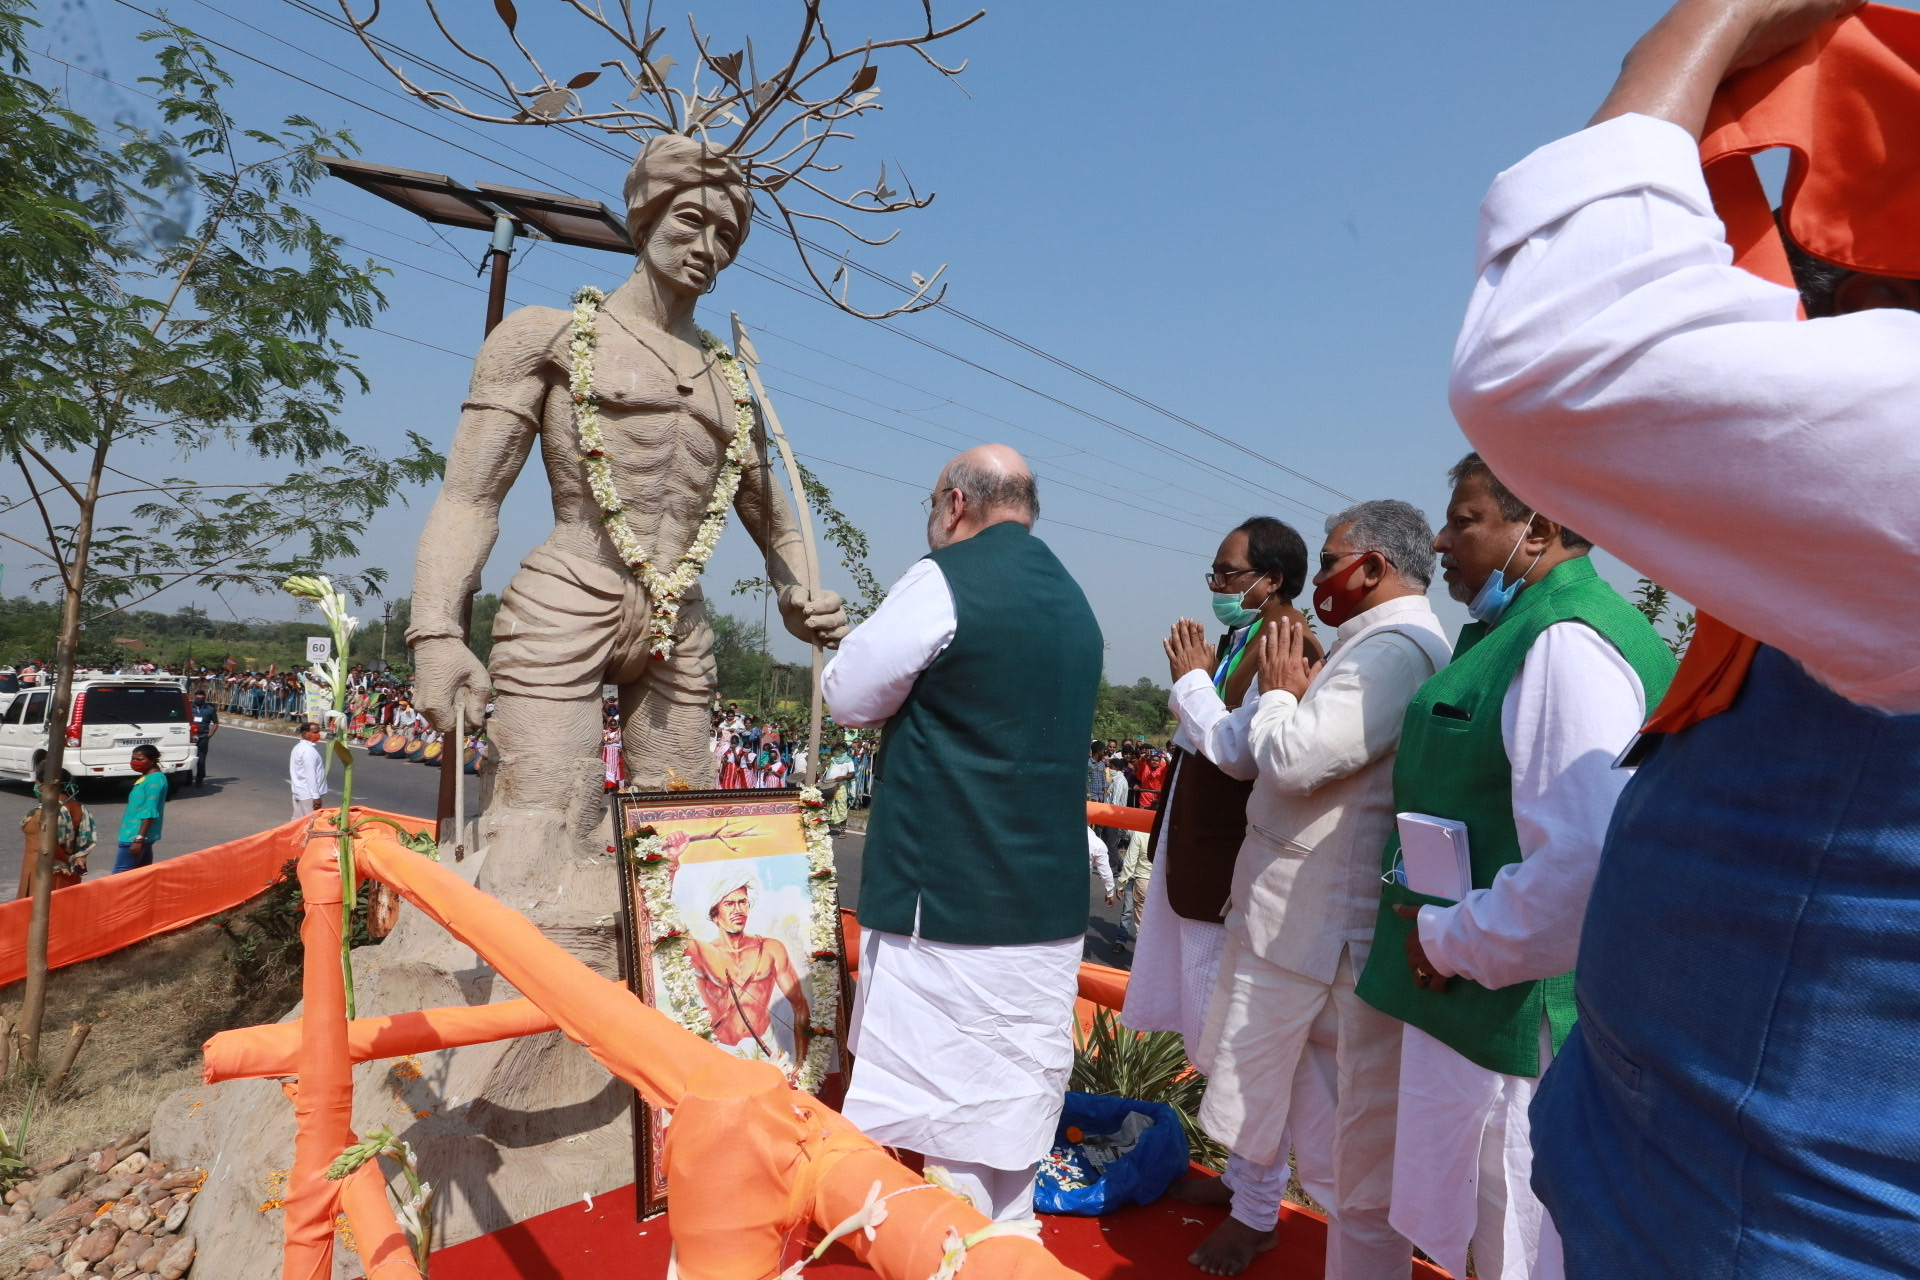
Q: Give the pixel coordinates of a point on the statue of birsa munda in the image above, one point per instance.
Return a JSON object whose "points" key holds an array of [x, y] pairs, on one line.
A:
{"points": [[612, 595]]}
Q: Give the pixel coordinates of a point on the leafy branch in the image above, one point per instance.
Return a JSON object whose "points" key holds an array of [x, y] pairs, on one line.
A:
{"points": [[1656, 602]]}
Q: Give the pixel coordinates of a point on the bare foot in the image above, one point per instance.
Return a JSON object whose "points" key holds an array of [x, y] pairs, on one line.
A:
{"points": [[1201, 1191], [1232, 1248]]}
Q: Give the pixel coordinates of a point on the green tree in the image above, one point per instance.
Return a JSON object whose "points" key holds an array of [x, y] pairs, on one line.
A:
{"points": [[1131, 710], [120, 328], [1656, 602]]}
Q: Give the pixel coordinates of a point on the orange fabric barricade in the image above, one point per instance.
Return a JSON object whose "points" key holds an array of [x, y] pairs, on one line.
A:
{"points": [[1837, 102], [1103, 985], [109, 912], [813, 1161], [377, 1237], [252, 1053], [1122, 816]]}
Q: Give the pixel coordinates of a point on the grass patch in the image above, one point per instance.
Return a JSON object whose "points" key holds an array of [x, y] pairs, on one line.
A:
{"points": [[152, 1006]]}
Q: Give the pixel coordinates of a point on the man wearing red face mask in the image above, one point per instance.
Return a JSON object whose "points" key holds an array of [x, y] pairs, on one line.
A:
{"points": [[1306, 884]]}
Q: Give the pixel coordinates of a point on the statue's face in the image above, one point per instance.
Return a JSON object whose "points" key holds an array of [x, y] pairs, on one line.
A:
{"points": [[690, 244]]}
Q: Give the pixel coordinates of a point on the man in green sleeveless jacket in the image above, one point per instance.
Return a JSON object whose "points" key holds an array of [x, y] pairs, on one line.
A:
{"points": [[1515, 739], [982, 664]]}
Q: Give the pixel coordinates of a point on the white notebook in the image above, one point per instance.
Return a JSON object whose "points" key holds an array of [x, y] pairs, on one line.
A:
{"points": [[1434, 854]]}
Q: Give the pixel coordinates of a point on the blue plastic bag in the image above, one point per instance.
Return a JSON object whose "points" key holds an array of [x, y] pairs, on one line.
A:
{"points": [[1139, 1176]]}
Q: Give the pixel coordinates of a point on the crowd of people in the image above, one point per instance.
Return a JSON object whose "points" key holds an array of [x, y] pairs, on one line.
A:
{"points": [[1531, 945], [752, 752]]}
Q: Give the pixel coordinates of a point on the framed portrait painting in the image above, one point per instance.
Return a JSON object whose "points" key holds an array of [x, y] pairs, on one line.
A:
{"points": [[733, 930]]}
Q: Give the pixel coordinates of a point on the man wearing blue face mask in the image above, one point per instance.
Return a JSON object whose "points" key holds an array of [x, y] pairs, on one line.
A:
{"points": [[1516, 741]]}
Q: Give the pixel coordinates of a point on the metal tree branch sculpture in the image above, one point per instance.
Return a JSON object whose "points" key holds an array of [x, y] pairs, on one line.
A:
{"points": [[774, 128]]}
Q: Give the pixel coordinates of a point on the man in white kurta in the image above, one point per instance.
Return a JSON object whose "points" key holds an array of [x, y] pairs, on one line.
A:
{"points": [[973, 894], [1463, 1152], [307, 772], [1617, 364], [1306, 885], [1259, 568]]}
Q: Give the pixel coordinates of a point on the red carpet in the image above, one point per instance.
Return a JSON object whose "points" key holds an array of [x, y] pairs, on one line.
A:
{"points": [[1138, 1243]]}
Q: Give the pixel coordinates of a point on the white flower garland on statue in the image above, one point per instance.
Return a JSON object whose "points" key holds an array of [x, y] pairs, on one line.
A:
{"points": [[664, 590], [653, 870]]}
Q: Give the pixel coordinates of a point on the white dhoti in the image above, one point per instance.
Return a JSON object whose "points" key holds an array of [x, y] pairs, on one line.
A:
{"points": [[962, 1053], [1175, 963], [1282, 1051], [1463, 1164]]}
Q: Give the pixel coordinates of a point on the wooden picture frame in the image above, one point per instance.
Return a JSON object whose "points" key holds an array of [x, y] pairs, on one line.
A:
{"points": [[730, 907]]}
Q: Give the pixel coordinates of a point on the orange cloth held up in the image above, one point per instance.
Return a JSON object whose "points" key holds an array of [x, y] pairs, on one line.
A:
{"points": [[1843, 102]]}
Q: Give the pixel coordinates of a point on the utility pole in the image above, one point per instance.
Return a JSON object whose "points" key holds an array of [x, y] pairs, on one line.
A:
{"points": [[386, 612], [499, 257]]}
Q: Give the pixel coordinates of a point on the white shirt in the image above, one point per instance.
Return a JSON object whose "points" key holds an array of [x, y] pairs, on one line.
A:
{"points": [[1208, 728], [1175, 959], [1618, 370], [878, 661], [1097, 861], [1306, 885], [307, 771], [1575, 703]]}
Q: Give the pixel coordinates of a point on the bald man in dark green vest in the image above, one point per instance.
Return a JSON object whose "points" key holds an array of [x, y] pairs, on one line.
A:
{"points": [[982, 664]]}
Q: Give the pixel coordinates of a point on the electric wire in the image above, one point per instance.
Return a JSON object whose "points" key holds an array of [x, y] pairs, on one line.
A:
{"points": [[916, 484], [765, 220], [466, 284], [477, 288], [749, 267]]}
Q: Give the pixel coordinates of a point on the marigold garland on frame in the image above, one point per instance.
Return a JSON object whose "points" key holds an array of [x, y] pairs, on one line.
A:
{"points": [[653, 871], [664, 590]]}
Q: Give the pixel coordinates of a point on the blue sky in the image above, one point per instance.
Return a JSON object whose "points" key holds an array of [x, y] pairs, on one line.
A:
{"points": [[1258, 216]]}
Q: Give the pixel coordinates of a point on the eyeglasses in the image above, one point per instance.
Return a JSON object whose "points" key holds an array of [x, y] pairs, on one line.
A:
{"points": [[1328, 559], [927, 503], [1219, 581]]}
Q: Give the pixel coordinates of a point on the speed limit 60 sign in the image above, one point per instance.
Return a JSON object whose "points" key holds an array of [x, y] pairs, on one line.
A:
{"points": [[319, 648]]}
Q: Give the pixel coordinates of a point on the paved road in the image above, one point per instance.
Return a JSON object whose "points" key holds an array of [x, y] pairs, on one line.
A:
{"points": [[246, 791]]}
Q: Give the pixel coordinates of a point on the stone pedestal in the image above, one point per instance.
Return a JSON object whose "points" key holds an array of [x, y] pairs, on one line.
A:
{"points": [[505, 1131]]}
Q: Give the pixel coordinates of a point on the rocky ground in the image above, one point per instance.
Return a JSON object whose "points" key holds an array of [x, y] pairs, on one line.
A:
{"points": [[111, 1214]]}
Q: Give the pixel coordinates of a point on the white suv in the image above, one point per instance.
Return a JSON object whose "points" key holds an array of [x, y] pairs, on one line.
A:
{"points": [[111, 716]]}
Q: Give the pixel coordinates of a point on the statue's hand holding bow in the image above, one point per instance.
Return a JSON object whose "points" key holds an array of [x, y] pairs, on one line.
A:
{"points": [[814, 615]]}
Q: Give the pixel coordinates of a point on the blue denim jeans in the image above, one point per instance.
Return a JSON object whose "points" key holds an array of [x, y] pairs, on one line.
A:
{"points": [[126, 861], [1740, 1099]]}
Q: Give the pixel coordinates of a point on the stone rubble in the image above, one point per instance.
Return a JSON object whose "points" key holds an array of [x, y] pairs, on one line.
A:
{"points": [[111, 1214]]}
